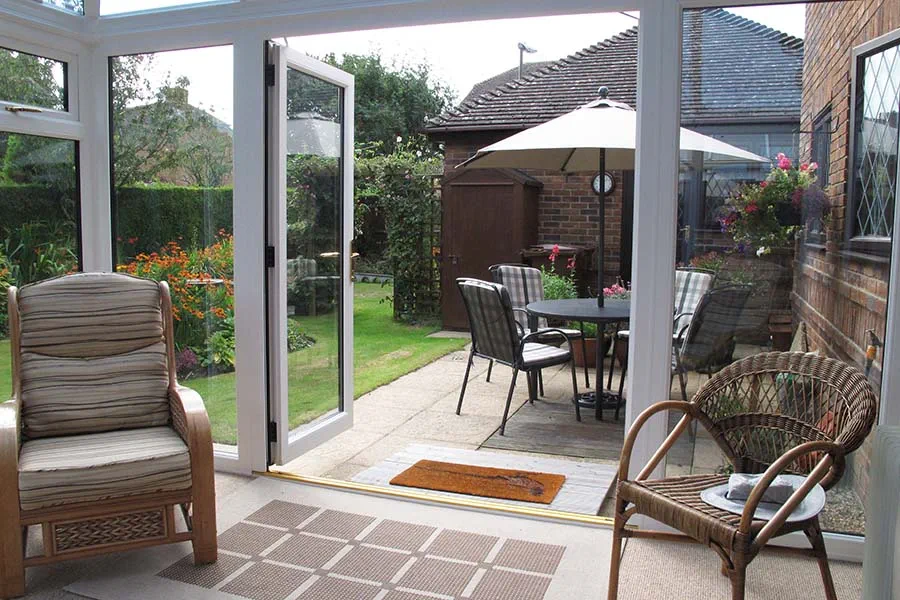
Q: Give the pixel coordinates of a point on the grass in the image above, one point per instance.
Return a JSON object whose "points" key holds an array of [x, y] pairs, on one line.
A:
{"points": [[383, 351]]}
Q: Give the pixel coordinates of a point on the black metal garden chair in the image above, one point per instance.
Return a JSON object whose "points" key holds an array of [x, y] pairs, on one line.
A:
{"points": [[498, 337]]}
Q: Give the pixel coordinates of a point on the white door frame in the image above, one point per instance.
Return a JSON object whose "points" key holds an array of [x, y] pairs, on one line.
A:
{"points": [[289, 444]]}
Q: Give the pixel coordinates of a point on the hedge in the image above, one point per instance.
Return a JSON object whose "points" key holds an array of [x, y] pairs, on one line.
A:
{"points": [[147, 217]]}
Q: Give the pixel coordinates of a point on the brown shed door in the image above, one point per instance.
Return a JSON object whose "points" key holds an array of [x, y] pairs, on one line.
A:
{"points": [[479, 230]]}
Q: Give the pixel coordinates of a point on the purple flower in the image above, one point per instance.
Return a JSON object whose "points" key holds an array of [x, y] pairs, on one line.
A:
{"points": [[185, 360]]}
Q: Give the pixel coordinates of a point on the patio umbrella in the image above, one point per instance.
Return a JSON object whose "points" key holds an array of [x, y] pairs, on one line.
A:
{"points": [[600, 134]]}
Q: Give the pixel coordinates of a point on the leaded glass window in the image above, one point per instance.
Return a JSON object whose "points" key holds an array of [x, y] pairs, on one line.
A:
{"points": [[876, 142]]}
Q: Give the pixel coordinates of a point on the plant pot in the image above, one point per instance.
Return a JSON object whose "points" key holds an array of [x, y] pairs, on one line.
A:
{"points": [[591, 351]]}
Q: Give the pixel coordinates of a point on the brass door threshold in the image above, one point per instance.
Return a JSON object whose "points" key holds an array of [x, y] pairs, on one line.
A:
{"points": [[472, 503]]}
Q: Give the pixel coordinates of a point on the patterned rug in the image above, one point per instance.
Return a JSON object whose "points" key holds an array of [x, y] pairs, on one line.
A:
{"points": [[282, 540], [291, 550]]}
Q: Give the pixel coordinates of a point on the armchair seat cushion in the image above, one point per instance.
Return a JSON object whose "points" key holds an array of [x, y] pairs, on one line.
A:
{"points": [[72, 469], [676, 502]]}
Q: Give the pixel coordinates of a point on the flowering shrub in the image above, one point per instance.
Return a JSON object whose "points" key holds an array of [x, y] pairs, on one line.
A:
{"points": [[711, 261], [767, 214], [559, 286]]}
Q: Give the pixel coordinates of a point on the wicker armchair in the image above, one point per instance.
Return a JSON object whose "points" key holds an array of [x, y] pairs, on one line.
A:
{"points": [[770, 413], [99, 444]]}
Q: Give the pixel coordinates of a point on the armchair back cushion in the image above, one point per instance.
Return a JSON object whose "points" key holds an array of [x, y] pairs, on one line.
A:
{"points": [[92, 355]]}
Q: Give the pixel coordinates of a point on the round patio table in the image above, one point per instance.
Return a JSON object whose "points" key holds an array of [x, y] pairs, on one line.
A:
{"points": [[585, 310]]}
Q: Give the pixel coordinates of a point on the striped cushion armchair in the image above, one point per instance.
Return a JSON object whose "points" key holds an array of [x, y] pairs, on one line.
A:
{"points": [[99, 444]]}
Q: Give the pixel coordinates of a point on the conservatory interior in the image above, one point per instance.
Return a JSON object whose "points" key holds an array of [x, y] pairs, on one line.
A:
{"points": [[219, 329]]}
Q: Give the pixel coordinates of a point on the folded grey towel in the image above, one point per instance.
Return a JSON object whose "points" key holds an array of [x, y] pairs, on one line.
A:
{"points": [[741, 484]]}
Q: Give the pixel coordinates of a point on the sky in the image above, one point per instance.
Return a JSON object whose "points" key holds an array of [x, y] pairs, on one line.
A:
{"points": [[447, 48]]}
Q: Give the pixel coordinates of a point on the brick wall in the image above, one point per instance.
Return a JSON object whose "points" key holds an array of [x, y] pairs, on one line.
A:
{"points": [[838, 293], [568, 209]]}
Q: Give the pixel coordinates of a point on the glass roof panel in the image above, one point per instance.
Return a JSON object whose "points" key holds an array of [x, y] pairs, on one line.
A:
{"points": [[72, 6], [118, 7]]}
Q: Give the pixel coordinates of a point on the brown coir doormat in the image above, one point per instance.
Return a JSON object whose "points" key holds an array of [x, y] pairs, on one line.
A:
{"points": [[481, 481]]}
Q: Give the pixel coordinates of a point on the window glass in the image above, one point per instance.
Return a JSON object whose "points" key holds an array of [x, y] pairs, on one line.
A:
{"points": [[32, 80], [172, 205], [742, 227], [116, 7], [38, 219], [73, 6], [875, 131]]}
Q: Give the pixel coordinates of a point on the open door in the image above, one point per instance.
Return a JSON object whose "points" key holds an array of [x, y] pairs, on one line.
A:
{"points": [[310, 225]]}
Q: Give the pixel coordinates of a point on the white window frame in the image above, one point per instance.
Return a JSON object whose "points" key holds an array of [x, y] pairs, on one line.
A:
{"points": [[247, 24]]}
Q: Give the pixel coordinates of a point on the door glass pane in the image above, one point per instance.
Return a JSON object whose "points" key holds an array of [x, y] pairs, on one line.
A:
{"points": [[38, 219], [33, 80], [172, 205], [314, 199], [72, 6], [787, 271]]}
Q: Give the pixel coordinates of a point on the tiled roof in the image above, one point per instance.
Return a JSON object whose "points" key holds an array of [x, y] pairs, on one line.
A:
{"points": [[492, 83], [734, 70]]}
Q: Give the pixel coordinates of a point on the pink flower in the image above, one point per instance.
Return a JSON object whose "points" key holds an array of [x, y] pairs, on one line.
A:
{"points": [[784, 163], [571, 264], [751, 208], [813, 166], [780, 156], [554, 253], [804, 167], [764, 184]]}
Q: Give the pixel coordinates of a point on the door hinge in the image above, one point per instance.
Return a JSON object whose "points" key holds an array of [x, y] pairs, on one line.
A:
{"points": [[270, 256], [273, 431], [270, 75]]}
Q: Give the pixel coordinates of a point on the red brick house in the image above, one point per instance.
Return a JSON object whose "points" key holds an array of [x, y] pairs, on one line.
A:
{"points": [[850, 111], [742, 83]]}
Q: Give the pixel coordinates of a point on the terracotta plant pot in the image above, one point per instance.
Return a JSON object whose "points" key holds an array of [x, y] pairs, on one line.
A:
{"points": [[591, 351]]}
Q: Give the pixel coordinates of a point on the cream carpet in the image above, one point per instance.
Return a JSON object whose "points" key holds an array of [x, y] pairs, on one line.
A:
{"points": [[654, 570]]}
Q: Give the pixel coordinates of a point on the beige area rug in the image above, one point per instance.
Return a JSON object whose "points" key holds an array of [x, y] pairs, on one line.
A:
{"points": [[282, 540], [653, 570]]}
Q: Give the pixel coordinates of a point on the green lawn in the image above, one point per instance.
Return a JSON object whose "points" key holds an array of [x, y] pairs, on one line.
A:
{"points": [[383, 351]]}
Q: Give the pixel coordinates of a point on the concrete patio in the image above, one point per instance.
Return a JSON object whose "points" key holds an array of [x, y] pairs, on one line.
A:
{"points": [[420, 408]]}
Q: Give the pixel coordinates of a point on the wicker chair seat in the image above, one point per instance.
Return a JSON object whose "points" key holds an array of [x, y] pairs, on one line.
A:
{"points": [[676, 502]]}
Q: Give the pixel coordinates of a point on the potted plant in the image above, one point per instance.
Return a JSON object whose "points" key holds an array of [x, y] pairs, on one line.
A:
{"points": [[617, 291], [767, 215]]}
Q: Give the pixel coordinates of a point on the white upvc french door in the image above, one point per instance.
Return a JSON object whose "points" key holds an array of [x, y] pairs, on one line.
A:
{"points": [[310, 225]]}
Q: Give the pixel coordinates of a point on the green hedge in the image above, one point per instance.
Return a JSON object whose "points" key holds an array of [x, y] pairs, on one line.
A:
{"points": [[147, 217]]}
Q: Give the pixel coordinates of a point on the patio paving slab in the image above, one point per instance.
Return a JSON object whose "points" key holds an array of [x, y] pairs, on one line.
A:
{"points": [[404, 398], [326, 457], [371, 416], [392, 444], [435, 425]]}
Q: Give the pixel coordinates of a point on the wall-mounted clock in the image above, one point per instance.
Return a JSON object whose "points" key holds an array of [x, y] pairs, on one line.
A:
{"points": [[608, 180]]}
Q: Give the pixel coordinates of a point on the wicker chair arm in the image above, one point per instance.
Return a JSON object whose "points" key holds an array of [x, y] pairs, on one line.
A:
{"points": [[625, 461], [833, 453], [189, 418]]}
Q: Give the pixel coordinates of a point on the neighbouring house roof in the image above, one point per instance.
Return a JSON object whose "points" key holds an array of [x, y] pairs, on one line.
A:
{"points": [[734, 71], [492, 83]]}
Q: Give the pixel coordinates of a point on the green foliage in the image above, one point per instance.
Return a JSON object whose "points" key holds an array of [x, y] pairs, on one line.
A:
{"points": [[219, 354], [392, 100], [296, 339], [558, 287], [150, 216], [401, 185], [31, 257], [29, 79]]}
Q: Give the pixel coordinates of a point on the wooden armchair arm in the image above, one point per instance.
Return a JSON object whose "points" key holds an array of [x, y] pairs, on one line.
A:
{"points": [[12, 578], [9, 448], [189, 418], [625, 461], [833, 452]]}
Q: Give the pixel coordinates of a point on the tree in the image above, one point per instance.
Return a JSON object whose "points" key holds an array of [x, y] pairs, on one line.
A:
{"points": [[392, 101]]}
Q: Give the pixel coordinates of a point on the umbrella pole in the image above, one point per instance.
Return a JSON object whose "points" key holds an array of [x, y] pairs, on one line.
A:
{"points": [[600, 249]]}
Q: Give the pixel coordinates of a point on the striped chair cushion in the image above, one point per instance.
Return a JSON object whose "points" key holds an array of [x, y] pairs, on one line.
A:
{"points": [[93, 357], [62, 396], [525, 285], [494, 332], [88, 468], [535, 354], [89, 314]]}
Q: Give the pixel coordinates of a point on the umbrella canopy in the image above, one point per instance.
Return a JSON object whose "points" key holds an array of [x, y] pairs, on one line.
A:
{"points": [[597, 136], [577, 141]]}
